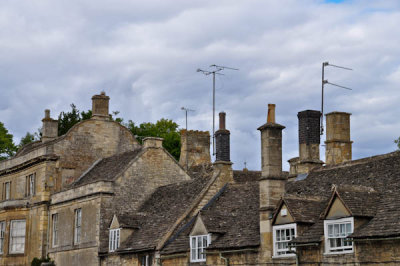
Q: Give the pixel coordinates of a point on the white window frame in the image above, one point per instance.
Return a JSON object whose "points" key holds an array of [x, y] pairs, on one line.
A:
{"points": [[338, 250], [2, 235], [197, 253], [77, 226], [276, 242], [14, 236], [114, 239], [54, 219]]}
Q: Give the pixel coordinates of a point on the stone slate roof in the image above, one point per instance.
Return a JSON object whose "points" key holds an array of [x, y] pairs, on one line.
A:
{"points": [[233, 217], [161, 210], [368, 187], [303, 210], [107, 169], [245, 175]]}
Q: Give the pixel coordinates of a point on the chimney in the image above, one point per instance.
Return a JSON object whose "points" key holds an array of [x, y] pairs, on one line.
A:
{"points": [[152, 142], [100, 106], [272, 182], [49, 128], [223, 162], [195, 148], [222, 140], [338, 143], [309, 140]]}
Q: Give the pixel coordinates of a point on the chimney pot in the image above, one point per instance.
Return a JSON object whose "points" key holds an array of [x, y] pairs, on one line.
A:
{"points": [[222, 116], [222, 141], [49, 128], [47, 113], [271, 113]]}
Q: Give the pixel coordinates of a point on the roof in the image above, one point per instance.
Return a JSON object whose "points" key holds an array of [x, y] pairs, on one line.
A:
{"points": [[245, 175], [107, 169], [161, 210], [368, 188], [233, 217], [303, 210]]}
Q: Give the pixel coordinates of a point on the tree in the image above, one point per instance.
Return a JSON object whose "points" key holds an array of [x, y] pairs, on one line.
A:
{"points": [[163, 128], [7, 146], [28, 139], [397, 141]]}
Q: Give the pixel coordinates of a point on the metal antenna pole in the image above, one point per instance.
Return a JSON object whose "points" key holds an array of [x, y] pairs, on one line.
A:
{"points": [[186, 144], [206, 72], [324, 64]]}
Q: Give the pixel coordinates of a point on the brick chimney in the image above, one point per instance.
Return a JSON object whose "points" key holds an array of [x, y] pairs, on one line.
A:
{"points": [[195, 148], [222, 140], [338, 143], [223, 162], [309, 140], [272, 182], [100, 106], [49, 128]]}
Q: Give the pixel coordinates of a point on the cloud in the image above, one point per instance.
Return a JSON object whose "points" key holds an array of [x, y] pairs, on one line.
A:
{"points": [[145, 56]]}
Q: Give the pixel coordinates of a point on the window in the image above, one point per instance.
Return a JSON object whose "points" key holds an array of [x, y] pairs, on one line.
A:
{"points": [[2, 232], [282, 234], [17, 236], [197, 247], [55, 229], [146, 260], [7, 190], [30, 185], [78, 224], [114, 239], [336, 232]]}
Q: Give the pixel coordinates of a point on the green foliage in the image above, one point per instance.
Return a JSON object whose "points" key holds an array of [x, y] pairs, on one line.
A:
{"points": [[7, 146], [38, 262], [28, 139], [397, 141], [163, 128]]}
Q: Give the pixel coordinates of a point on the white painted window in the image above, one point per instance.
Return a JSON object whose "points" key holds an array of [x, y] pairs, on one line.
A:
{"points": [[7, 190], [78, 226], [114, 239], [198, 245], [2, 233], [17, 236], [282, 235], [146, 260], [55, 229], [336, 232]]}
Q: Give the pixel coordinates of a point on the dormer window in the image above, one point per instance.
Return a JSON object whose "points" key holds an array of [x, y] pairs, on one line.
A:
{"points": [[336, 232], [282, 235], [114, 239], [198, 246]]}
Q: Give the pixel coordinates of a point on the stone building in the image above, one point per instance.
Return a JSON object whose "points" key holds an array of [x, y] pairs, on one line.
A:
{"points": [[95, 196]]}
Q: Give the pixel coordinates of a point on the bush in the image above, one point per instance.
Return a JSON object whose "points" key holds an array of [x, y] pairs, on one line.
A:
{"points": [[46, 261]]}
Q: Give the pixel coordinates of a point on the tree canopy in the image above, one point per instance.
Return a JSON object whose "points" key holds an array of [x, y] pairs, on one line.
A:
{"points": [[7, 146], [397, 141]]}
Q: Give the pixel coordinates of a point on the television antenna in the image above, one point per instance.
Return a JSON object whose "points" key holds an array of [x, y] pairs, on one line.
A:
{"points": [[214, 72], [325, 81], [186, 113]]}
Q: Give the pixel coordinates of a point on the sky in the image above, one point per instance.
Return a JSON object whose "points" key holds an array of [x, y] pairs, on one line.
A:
{"points": [[144, 55]]}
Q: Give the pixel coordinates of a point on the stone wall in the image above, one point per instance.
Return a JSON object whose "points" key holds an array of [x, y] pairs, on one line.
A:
{"points": [[195, 148]]}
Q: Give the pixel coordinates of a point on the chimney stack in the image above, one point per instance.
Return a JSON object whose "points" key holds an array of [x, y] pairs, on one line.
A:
{"points": [[272, 182], [338, 143], [100, 106], [195, 148], [309, 140], [49, 128], [152, 142], [222, 140]]}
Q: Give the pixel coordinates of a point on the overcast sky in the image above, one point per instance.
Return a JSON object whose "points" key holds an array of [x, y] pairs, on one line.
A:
{"points": [[144, 55]]}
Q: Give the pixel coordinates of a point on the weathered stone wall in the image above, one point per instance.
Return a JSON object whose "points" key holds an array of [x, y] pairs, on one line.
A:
{"points": [[338, 143], [195, 148]]}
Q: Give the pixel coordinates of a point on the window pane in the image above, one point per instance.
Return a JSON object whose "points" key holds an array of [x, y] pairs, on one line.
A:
{"points": [[348, 228]]}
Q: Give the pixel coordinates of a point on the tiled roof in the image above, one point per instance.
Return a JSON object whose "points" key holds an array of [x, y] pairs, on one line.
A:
{"points": [[368, 187], [233, 217], [245, 175], [161, 210], [107, 169], [304, 210]]}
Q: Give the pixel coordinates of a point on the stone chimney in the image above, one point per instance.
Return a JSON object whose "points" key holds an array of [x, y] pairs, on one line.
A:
{"points": [[309, 140], [272, 182], [152, 142], [195, 148], [100, 106], [338, 143], [223, 162], [222, 140], [49, 128]]}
